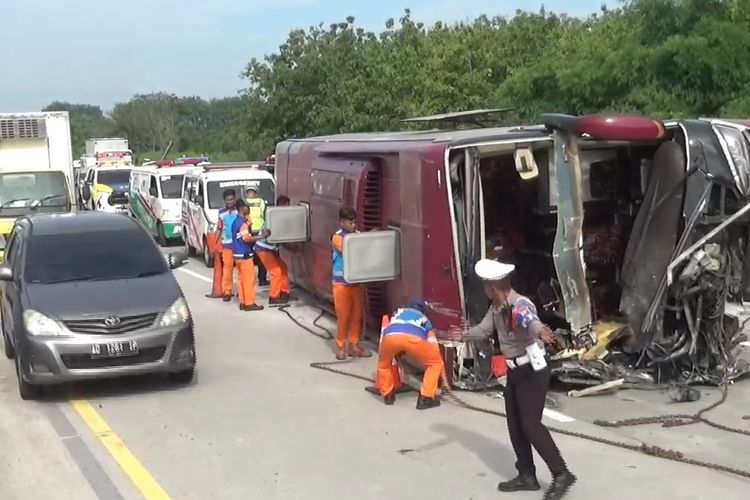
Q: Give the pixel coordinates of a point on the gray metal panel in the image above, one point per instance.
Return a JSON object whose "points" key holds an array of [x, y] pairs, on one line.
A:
{"points": [[373, 256], [288, 224]]}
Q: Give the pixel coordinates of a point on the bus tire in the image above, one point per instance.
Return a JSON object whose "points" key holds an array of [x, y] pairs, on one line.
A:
{"points": [[160, 236]]}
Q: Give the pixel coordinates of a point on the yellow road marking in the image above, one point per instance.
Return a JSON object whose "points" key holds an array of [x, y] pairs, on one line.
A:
{"points": [[137, 473]]}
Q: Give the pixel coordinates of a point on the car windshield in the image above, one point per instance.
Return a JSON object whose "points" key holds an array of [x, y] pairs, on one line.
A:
{"points": [[216, 190], [171, 186], [114, 177], [93, 255], [24, 192]]}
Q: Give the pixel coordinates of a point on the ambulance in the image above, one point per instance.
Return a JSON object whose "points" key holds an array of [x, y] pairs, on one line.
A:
{"points": [[203, 197], [156, 199]]}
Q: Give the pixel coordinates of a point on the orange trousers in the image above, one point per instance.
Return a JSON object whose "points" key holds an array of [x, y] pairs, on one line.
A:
{"points": [[246, 282], [428, 353], [277, 269], [349, 304], [227, 277]]}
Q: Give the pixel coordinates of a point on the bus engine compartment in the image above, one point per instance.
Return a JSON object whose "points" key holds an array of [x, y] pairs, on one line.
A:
{"points": [[662, 239]]}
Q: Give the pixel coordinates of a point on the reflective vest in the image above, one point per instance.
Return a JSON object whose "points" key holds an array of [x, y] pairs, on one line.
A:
{"points": [[264, 246], [338, 260], [408, 321], [257, 211], [240, 248], [227, 220]]}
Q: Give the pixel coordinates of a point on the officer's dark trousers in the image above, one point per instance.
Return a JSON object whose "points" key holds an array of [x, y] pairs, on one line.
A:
{"points": [[525, 396]]}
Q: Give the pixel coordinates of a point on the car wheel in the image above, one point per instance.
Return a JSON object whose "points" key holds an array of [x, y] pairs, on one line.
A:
{"points": [[27, 391], [208, 259], [182, 377], [10, 353], [160, 234], [189, 250]]}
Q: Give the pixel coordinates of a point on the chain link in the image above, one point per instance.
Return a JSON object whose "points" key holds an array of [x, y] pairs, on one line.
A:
{"points": [[644, 448]]}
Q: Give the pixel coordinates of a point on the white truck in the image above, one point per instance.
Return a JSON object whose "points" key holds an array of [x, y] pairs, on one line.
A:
{"points": [[36, 166], [108, 152]]}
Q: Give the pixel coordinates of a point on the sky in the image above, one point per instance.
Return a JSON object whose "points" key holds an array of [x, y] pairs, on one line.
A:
{"points": [[105, 51]]}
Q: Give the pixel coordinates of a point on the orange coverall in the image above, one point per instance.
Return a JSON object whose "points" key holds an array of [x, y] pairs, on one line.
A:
{"points": [[246, 270], [426, 351], [349, 304], [277, 270]]}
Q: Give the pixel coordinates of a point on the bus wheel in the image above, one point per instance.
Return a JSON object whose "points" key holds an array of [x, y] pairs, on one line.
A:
{"points": [[208, 259]]}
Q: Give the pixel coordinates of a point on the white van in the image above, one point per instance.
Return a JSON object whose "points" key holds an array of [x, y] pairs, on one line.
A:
{"points": [[156, 200], [106, 189], [203, 197]]}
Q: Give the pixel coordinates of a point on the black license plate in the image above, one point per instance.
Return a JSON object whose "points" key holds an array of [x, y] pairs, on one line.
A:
{"points": [[114, 349]]}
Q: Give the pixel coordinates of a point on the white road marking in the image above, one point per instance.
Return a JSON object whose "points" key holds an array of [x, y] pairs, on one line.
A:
{"points": [[195, 275], [555, 415]]}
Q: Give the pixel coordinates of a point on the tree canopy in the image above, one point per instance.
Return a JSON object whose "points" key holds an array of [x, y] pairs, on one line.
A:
{"points": [[667, 58]]}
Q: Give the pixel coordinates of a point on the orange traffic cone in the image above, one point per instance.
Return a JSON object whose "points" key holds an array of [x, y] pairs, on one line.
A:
{"points": [[216, 291]]}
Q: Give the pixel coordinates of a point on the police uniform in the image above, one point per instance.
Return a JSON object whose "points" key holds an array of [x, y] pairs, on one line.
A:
{"points": [[518, 330]]}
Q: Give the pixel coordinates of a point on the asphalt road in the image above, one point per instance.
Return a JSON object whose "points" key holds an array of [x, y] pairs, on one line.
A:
{"points": [[258, 422]]}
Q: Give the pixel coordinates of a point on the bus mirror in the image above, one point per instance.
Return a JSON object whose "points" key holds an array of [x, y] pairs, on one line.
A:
{"points": [[288, 224], [372, 256], [526, 164]]}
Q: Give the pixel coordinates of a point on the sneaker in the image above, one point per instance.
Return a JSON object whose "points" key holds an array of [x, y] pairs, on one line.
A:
{"points": [[522, 482], [561, 483], [340, 354], [356, 351], [389, 399], [226, 298], [254, 307], [424, 403]]}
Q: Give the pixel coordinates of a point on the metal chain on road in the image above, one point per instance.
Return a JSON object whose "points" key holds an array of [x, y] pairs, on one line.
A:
{"points": [[644, 448], [679, 419]]}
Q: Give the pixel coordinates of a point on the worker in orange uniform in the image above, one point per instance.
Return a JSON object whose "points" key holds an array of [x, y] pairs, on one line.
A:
{"points": [[348, 298], [268, 253], [227, 216], [242, 254], [411, 332]]}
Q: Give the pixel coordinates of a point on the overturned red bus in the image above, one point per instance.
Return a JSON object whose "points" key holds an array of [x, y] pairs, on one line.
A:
{"points": [[602, 215]]}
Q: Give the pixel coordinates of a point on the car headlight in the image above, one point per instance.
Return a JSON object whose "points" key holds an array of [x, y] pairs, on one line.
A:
{"points": [[177, 314], [38, 325]]}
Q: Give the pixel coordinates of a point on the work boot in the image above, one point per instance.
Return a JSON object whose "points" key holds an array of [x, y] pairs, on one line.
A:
{"points": [[356, 351], [340, 354], [242, 307], [226, 298], [254, 307], [424, 403], [276, 302], [522, 482], [561, 483], [389, 398]]}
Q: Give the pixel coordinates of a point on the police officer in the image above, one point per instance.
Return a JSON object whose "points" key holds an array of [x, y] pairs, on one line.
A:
{"points": [[519, 332], [257, 206]]}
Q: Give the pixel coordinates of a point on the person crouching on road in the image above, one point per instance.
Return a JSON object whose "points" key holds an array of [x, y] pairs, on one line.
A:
{"points": [[521, 335], [411, 332], [348, 299], [227, 216], [243, 255], [268, 254]]}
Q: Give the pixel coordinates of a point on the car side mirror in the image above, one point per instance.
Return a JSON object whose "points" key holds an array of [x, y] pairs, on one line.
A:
{"points": [[176, 259], [6, 273]]}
